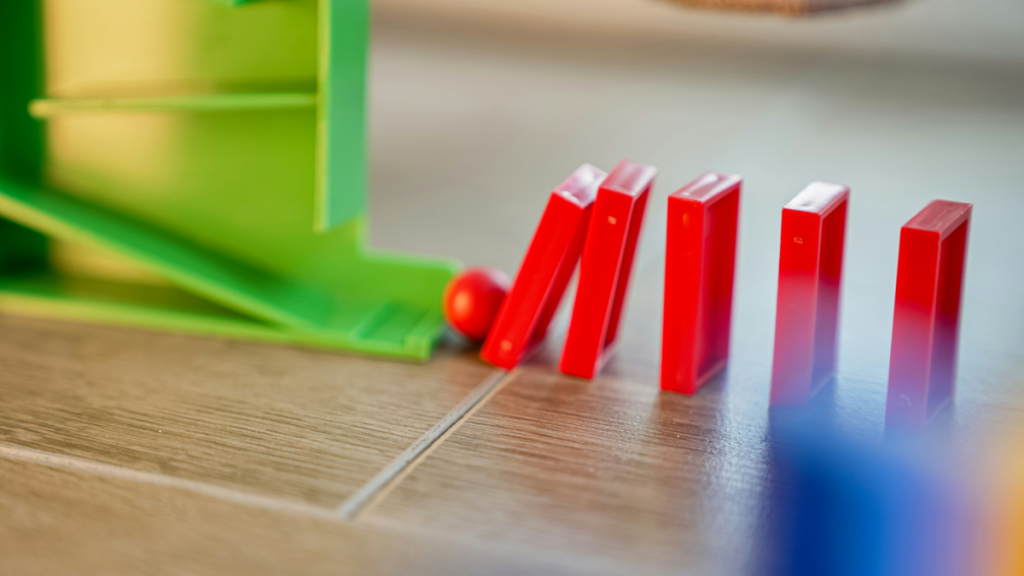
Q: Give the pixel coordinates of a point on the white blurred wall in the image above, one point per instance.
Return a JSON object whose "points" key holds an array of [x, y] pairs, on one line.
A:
{"points": [[986, 29]]}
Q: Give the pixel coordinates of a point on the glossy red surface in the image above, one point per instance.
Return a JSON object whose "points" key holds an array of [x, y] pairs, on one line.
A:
{"points": [[545, 271], [700, 261], [472, 298], [807, 310], [926, 319], [605, 267]]}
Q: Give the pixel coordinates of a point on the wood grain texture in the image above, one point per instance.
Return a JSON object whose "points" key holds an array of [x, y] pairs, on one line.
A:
{"points": [[300, 424], [62, 522], [608, 469]]}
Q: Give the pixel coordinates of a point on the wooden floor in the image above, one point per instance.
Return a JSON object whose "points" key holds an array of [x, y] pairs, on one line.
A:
{"points": [[124, 451]]}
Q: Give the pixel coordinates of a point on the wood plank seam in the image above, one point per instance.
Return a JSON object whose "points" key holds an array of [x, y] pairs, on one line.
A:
{"points": [[380, 485], [101, 469], [348, 511]]}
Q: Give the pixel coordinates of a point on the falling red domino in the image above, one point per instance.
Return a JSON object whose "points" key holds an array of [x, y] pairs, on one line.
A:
{"points": [[700, 258], [604, 267], [807, 312], [926, 321], [545, 271]]}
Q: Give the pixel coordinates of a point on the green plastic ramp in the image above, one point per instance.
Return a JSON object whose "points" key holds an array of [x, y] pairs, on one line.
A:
{"points": [[199, 165]]}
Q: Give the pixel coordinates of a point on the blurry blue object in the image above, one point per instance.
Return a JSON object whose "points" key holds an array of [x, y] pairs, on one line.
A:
{"points": [[853, 510]]}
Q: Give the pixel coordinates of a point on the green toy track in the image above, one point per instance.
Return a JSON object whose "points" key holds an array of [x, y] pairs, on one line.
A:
{"points": [[199, 165]]}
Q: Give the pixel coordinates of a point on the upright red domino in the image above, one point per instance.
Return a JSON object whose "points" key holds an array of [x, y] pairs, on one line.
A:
{"points": [[807, 312], [700, 262], [545, 271], [926, 320], [604, 267]]}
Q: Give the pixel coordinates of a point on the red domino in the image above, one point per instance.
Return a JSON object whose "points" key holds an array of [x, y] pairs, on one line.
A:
{"points": [[545, 271], [700, 258], [807, 313], [605, 266], [926, 321]]}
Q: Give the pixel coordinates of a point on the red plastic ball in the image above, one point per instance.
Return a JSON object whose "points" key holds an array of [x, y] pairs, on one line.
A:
{"points": [[472, 299]]}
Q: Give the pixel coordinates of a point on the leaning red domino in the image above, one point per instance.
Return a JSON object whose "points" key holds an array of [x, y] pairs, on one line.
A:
{"points": [[605, 266], [545, 271]]}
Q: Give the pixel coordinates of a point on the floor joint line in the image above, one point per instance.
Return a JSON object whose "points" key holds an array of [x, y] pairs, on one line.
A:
{"points": [[348, 511], [392, 474], [94, 468]]}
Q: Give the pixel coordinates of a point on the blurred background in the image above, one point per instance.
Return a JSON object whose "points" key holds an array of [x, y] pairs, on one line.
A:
{"points": [[505, 98], [976, 29]]}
